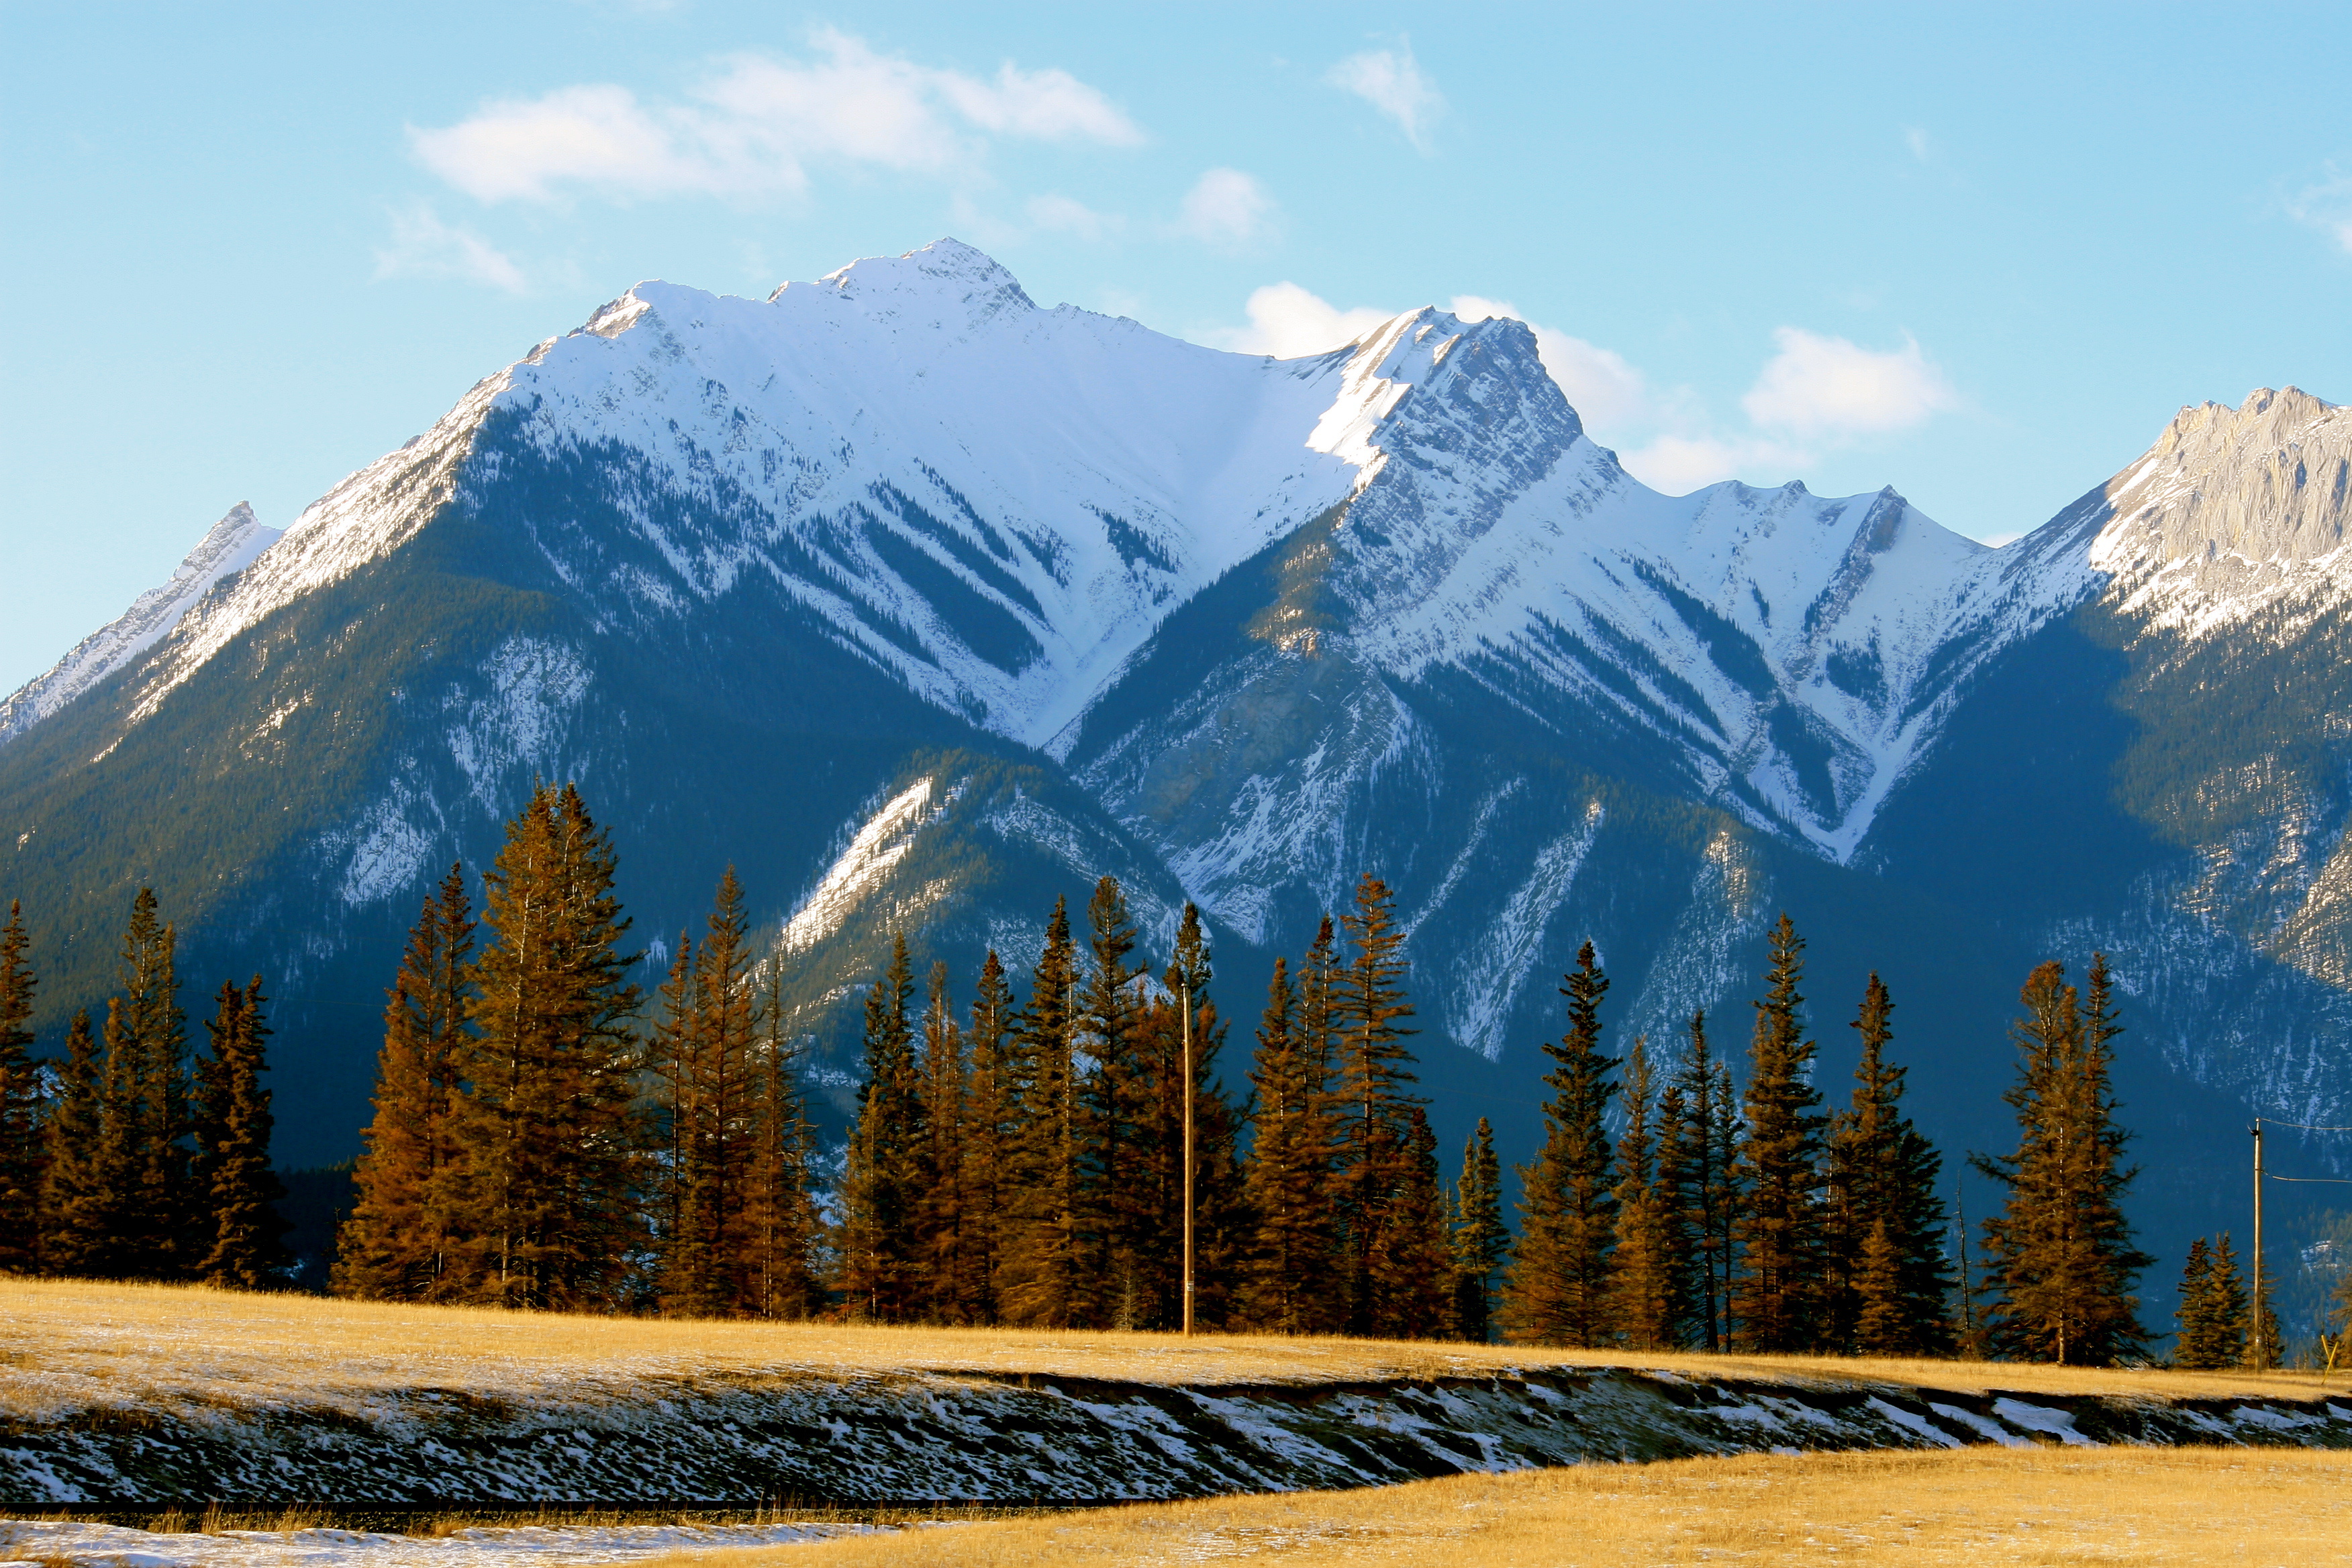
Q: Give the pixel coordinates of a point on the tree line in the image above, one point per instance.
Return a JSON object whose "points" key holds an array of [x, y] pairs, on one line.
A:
{"points": [[539, 1142]]}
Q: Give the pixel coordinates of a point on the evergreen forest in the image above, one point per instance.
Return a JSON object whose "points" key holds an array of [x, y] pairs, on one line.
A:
{"points": [[1085, 1138]]}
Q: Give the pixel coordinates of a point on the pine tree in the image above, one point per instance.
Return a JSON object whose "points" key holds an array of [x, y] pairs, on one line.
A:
{"points": [[940, 1210], [1883, 1172], [75, 1240], [552, 1138], [1776, 1295], [1225, 1226], [1559, 1288], [1125, 1197], [21, 1153], [703, 1054], [1482, 1243], [1642, 1275], [1379, 1174], [2060, 1261], [2202, 1322], [1410, 1268], [139, 1213], [992, 1097], [1701, 1156], [1036, 1286], [394, 1245], [248, 1251], [1292, 1286], [881, 1267], [781, 1223]]}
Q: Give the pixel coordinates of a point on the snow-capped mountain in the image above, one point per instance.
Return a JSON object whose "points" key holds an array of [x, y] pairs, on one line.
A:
{"points": [[227, 549], [923, 604]]}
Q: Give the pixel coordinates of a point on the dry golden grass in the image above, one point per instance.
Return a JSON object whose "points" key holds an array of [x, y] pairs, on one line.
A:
{"points": [[2074, 1506], [67, 1345]]}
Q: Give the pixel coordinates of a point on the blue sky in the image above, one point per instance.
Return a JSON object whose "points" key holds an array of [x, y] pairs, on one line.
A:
{"points": [[1980, 253]]}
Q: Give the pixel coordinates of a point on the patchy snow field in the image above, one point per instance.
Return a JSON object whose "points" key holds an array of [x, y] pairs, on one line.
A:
{"points": [[52, 1541]]}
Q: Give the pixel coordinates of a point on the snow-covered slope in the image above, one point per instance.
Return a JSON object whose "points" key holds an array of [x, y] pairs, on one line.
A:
{"points": [[231, 545]]}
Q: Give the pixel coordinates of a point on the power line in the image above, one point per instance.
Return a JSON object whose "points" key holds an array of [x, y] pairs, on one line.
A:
{"points": [[2299, 1127]]}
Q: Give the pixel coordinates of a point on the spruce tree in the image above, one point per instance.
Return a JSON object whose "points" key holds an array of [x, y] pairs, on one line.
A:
{"points": [[2203, 1322], [1559, 1288], [1292, 1287], [21, 1154], [1702, 1154], [1223, 1222], [75, 1240], [1125, 1199], [1883, 1172], [248, 1251], [139, 1215], [703, 1056], [991, 1098], [1642, 1258], [881, 1261], [781, 1222], [1884, 1322], [1035, 1288], [550, 1133], [940, 1210], [1410, 1268], [1482, 1242], [1379, 1176], [2059, 1262], [1776, 1295], [395, 1245]]}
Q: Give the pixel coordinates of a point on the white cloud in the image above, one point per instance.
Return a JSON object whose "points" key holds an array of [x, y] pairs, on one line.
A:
{"points": [[752, 130], [1061, 215], [2327, 207], [1824, 387], [1227, 208], [1289, 322], [1677, 464], [423, 247], [1390, 81], [1915, 137]]}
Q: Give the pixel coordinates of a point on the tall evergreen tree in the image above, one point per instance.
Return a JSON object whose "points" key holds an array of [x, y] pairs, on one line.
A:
{"points": [[1124, 1193], [704, 1057], [552, 1138], [881, 1265], [138, 1212], [1643, 1270], [1036, 1285], [1482, 1242], [246, 1250], [2209, 1319], [781, 1222], [1224, 1224], [1411, 1270], [1559, 1288], [940, 1210], [394, 1245], [1702, 1155], [2060, 1264], [1776, 1296], [22, 1153], [1884, 1173], [992, 1096], [1293, 1278], [75, 1238], [1379, 1175]]}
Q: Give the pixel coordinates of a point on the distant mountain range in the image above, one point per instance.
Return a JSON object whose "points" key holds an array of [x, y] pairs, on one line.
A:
{"points": [[921, 603]]}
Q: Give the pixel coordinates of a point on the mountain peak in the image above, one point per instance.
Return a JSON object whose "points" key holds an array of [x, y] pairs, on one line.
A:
{"points": [[945, 283]]}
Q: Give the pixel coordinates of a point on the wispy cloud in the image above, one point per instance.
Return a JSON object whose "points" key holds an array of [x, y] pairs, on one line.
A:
{"points": [[754, 129], [1820, 387], [1228, 210], [1915, 137], [1062, 215], [422, 245], [1391, 81], [2326, 206]]}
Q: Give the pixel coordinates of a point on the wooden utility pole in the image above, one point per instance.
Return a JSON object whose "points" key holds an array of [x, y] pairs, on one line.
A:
{"points": [[2259, 1339], [1185, 990]]}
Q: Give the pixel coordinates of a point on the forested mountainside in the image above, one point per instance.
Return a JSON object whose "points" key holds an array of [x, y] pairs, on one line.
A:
{"points": [[921, 604]]}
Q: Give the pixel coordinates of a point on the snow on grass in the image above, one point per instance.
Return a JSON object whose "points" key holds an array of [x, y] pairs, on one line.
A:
{"points": [[56, 1541]]}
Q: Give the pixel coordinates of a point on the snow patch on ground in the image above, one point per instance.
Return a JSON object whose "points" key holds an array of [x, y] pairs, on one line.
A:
{"points": [[527, 1546]]}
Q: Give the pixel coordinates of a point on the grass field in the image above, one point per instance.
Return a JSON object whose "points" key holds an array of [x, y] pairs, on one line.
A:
{"points": [[1978, 1506], [68, 1345]]}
